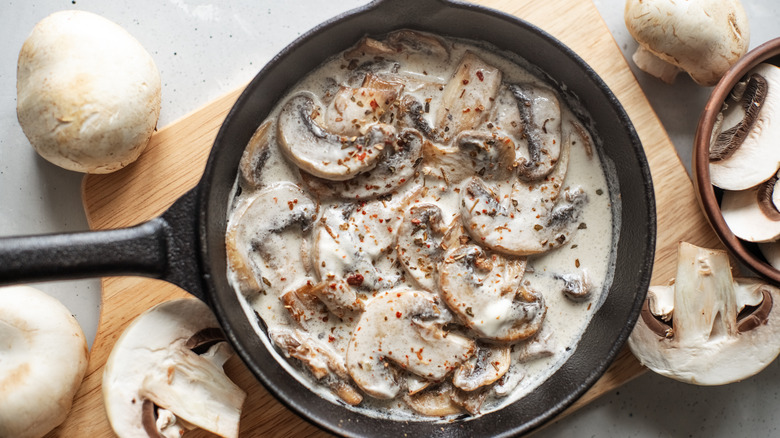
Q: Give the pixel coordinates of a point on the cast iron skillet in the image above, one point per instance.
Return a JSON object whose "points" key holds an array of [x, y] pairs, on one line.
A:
{"points": [[186, 246]]}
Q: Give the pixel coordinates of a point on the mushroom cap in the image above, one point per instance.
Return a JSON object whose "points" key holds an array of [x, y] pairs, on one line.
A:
{"points": [[152, 360], [88, 93], [704, 38], [43, 358], [757, 158]]}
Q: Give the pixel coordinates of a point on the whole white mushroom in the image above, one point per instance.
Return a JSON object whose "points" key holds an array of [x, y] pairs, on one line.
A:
{"points": [[43, 358], [701, 37], [88, 93]]}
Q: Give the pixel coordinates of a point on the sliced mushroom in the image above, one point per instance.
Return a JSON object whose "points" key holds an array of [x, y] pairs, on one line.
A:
{"points": [[420, 238], [751, 214], [429, 46], [746, 153], [396, 169], [509, 381], [404, 329], [258, 252], [472, 152], [488, 364], [468, 96], [533, 218], [710, 341], [154, 366], [337, 296], [324, 362], [354, 110], [322, 153], [435, 401], [540, 114], [43, 358], [471, 401], [485, 290], [255, 157], [576, 286]]}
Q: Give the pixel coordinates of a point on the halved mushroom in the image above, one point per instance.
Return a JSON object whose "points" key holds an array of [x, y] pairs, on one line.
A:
{"points": [[468, 96], [540, 114], [488, 364], [354, 110], [472, 152], [258, 252], [751, 214], [485, 290], [156, 384], [325, 364], [43, 358], [322, 153], [744, 148], [419, 243], [403, 329], [721, 330], [397, 168], [533, 218]]}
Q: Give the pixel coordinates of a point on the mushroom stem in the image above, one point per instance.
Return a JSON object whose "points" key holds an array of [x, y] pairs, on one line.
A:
{"points": [[704, 297], [655, 66]]}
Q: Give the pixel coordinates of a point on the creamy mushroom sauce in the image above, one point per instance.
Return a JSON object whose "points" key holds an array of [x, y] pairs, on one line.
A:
{"points": [[308, 258]]}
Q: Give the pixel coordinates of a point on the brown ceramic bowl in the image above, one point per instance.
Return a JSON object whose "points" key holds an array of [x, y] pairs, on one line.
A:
{"points": [[709, 196]]}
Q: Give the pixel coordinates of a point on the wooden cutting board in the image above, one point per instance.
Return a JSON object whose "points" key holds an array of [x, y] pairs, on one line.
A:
{"points": [[176, 156]]}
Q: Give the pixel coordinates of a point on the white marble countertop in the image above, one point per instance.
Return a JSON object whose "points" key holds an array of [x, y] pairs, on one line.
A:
{"points": [[205, 49]]}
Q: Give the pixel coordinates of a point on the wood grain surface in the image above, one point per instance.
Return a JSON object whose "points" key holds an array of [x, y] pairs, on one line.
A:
{"points": [[176, 156]]}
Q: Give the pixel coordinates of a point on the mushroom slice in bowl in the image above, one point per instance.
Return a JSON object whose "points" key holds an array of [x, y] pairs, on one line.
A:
{"points": [[398, 167], [746, 153], [259, 251], [164, 375], [322, 153], [403, 329], [485, 290], [531, 219], [752, 214]]}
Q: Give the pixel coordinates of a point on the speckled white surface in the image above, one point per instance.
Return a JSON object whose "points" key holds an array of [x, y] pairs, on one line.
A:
{"points": [[207, 48]]}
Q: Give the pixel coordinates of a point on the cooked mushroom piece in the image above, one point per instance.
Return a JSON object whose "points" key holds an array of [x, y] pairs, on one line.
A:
{"points": [[408, 42], [160, 386], [485, 290], [316, 150], [540, 116], [325, 364], [258, 252], [43, 358], [744, 148], [436, 401], [397, 168], [403, 329], [255, 156], [419, 244], [576, 285], [533, 218], [472, 152], [354, 110], [468, 96], [751, 214], [488, 364], [722, 330]]}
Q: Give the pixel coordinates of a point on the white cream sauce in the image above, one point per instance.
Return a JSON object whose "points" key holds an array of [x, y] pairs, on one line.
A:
{"points": [[347, 240]]}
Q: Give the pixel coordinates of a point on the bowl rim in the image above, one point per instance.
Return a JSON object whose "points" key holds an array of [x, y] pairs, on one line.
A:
{"points": [[705, 191]]}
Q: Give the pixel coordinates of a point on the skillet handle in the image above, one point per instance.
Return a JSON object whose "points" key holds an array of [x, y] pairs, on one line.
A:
{"points": [[164, 248]]}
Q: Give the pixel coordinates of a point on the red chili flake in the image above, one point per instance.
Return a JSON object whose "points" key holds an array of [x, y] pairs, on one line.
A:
{"points": [[290, 204], [373, 104], [419, 354], [333, 285], [398, 314], [480, 75], [465, 82], [355, 280], [331, 339]]}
